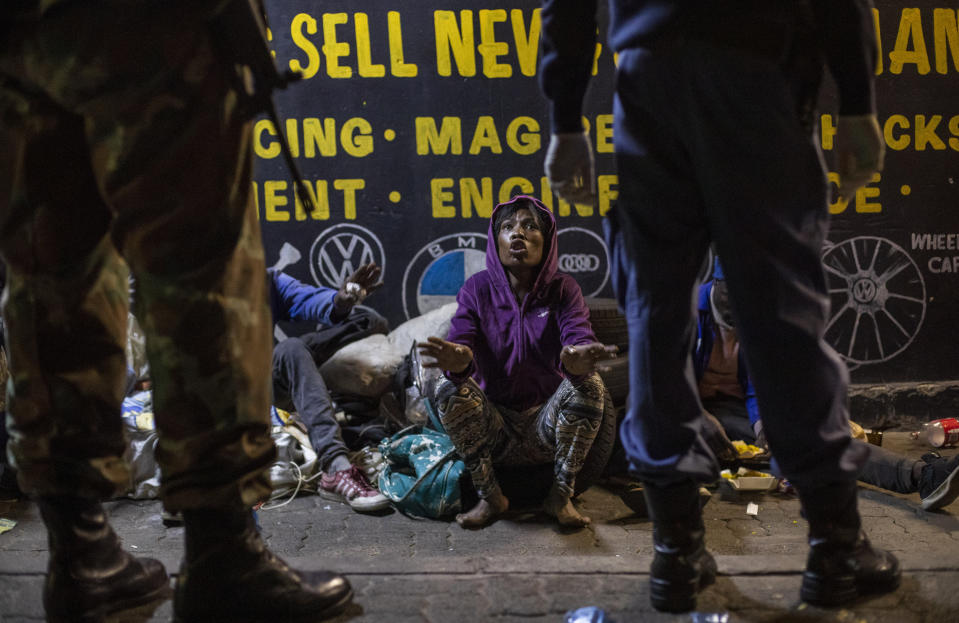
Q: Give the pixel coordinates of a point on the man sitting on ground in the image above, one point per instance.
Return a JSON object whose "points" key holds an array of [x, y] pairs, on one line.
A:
{"points": [[297, 383], [727, 394]]}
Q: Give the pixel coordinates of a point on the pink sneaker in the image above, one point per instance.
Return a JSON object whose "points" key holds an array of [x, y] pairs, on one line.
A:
{"points": [[351, 486]]}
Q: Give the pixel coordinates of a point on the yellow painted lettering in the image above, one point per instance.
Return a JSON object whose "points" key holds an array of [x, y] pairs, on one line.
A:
{"points": [[896, 142], [441, 194], [954, 131], [596, 54], [604, 134], [429, 140], [608, 193], [926, 133], [910, 44], [398, 65], [364, 56], [864, 194], [875, 23], [485, 136], [293, 138], [320, 194], [839, 205], [489, 48], [828, 131], [319, 136], [546, 193], [527, 42], [945, 28], [301, 21], [333, 50], [506, 188], [275, 197], [266, 151], [450, 38], [349, 188], [356, 137], [525, 143], [473, 196]]}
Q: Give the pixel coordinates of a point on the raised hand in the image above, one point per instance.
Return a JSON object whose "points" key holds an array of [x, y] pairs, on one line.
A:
{"points": [[357, 287], [446, 355], [584, 358]]}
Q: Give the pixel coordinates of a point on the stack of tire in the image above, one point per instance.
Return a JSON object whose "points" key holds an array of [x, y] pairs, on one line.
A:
{"points": [[609, 325], [610, 328]]}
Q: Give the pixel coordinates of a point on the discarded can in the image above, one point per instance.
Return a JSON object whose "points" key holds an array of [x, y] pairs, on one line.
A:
{"points": [[587, 614], [939, 433]]}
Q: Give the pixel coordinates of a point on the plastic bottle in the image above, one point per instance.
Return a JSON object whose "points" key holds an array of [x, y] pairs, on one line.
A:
{"points": [[939, 433]]}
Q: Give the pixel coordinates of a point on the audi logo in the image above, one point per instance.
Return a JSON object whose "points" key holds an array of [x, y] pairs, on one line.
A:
{"points": [[578, 263]]}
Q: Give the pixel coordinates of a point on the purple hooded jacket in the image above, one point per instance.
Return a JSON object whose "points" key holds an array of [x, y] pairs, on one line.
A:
{"points": [[516, 347]]}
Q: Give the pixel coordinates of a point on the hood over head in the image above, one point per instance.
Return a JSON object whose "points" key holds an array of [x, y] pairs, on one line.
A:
{"points": [[548, 266]]}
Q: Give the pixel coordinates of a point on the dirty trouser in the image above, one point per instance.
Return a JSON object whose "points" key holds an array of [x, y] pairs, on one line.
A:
{"points": [[128, 137], [298, 384], [560, 431], [710, 149]]}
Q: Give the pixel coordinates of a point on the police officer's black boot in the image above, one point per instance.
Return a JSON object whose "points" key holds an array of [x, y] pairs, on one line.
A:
{"points": [[229, 575], [842, 565], [681, 567], [89, 575]]}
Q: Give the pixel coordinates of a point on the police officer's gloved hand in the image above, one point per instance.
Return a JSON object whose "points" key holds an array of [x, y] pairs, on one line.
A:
{"points": [[569, 167], [860, 151]]}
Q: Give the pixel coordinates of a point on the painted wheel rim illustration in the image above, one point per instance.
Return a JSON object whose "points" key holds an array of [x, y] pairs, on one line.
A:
{"points": [[878, 299]]}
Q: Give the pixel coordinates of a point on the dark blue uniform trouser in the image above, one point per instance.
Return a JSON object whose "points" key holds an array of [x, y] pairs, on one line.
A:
{"points": [[710, 149]]}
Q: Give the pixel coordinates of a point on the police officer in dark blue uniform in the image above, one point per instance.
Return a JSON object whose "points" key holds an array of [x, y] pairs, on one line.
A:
{"points": [[713, 141]]}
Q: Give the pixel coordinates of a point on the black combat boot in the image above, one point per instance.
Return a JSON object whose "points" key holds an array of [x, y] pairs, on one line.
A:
{"points": [[842, 565], [89, 575], [229, 575], [681, 567]]}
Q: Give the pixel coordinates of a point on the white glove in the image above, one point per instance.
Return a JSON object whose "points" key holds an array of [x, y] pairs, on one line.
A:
{"points": [[860, 151], [569, 167]]}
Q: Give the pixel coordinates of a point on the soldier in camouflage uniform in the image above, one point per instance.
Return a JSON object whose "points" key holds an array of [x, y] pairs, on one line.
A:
{"points": [[129, 144]]}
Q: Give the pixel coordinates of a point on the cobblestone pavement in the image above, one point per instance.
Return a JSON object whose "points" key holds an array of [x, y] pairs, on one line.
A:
{"points": [[523, 568]]}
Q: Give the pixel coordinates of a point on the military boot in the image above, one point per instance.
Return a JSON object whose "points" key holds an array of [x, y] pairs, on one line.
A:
{"points": [[228, 574], [681, 567], [842, 565], [89, 575]]}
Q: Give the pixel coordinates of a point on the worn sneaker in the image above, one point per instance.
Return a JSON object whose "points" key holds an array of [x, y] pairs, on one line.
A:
{"points": [[351, 486], [939, 483]]}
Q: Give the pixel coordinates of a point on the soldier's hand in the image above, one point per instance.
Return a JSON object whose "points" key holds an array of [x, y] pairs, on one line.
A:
{"points": [[569, 167], [586, 358], [357, 287], [860, 151], [446, 355]]}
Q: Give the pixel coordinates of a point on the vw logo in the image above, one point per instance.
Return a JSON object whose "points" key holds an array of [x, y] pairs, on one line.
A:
{"points": [[340, 250], [864, 291]]}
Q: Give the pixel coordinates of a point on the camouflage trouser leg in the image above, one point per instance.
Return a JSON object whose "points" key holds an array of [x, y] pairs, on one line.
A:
{"points": [[134, 100], [475, 429]]}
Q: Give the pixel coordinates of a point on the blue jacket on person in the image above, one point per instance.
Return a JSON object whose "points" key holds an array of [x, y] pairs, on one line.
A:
{"points": [[706, 336], [293, 300]]}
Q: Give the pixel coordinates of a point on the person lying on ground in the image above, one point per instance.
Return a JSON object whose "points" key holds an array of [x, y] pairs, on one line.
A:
{"points": [[297, 383], [520, 360], [726, 393]]}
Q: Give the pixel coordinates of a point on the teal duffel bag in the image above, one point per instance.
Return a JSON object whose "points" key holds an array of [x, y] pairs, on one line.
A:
{"points": [[422, 473]]}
